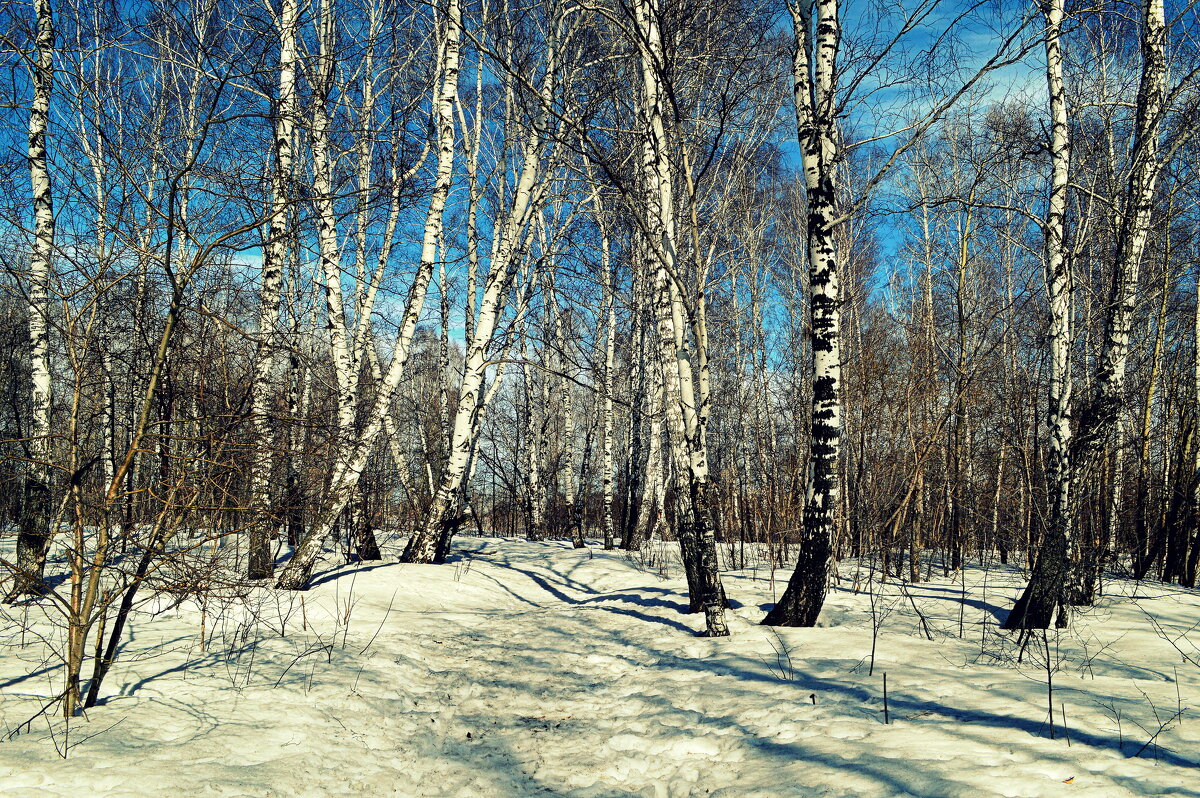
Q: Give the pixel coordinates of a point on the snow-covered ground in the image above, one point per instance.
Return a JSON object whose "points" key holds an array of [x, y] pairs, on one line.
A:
{"points": [[535, 669]]}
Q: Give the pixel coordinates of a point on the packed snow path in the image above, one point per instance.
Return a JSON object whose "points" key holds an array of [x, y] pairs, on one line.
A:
{"points": [[535, 669]]}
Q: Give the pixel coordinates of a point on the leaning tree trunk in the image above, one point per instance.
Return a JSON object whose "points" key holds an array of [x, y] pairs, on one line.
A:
{"points": [[349, 467], [33, 538], [814, 73], [1098, 418], [343, 349], [329, 253], [1036, 607], [426, 541]]}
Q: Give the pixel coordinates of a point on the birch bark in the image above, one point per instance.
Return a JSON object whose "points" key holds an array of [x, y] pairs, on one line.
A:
{"points": [[431, 541], [423, 545], [261, 564], [1098, 417], [327, 229], [814, 71], [33, 537], [567, 404], [1034, 608], [633, 530], [1054, 583], [650, 510], [535, 512], [684, 422], [610, 337]]}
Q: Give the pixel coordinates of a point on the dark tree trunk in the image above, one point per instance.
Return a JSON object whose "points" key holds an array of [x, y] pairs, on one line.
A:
{"points": [[33, 540]]}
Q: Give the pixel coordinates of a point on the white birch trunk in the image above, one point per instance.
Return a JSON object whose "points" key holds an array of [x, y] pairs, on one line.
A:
{"points": [[1098, 418], [610, 338], [1044, 595], [327, 232], [472, 138], [35, 533], [422, 546], [631, 537], [261, 563], [443, 350], [1050, 581], [689, 457], [1117, 485], [814, 73], [533, 482], [366, 152], [567, 462]]}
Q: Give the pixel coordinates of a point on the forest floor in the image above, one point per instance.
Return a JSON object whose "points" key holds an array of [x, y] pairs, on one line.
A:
{"points": [[524, 669]]}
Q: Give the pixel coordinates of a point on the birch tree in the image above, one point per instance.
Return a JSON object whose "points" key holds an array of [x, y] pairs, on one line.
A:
{"points": [[1048, 593], [817, 34], [609, 309], [814, 78], [261, 563], [689, 456], [35, 532]]}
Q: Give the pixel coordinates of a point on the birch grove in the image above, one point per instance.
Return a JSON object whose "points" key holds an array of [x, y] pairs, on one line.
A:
{"points": [[946, 315]]}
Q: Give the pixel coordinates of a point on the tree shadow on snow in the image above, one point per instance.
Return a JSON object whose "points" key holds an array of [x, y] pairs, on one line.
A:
{"points": [[340, 571], [810, 684], [557, 592]]}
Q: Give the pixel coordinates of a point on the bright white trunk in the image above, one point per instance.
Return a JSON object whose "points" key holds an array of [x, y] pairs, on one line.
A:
{"points": [[533, 483], [35, 531], [610, 338], [1099, 418], [506, 251], [421, 547], [274, 257], [43, 242]]}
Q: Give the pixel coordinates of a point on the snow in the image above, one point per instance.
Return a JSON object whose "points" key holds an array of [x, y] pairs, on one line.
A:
{"points": [[525, 669]]}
